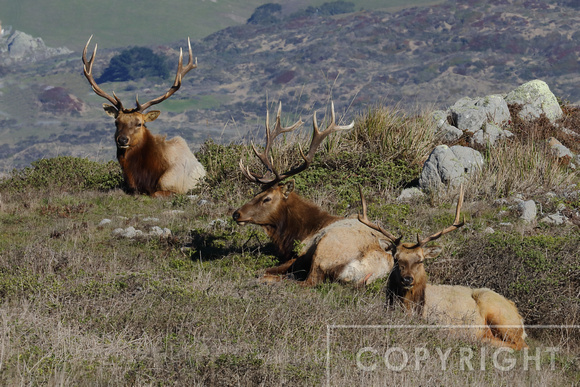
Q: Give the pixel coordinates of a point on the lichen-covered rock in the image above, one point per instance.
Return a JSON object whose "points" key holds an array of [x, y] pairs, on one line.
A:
{"points": [[489, 134], [535, 98], [449, 166]]}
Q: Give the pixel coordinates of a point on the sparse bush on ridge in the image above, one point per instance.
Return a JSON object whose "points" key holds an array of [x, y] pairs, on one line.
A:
{"points": [[65, 173]]}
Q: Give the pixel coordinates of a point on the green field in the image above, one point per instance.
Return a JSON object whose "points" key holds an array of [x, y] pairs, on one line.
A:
{"points": [[117, 24]]}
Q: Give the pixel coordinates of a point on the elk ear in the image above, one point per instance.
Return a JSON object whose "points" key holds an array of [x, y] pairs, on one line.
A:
{"points": [[287, 188], [152, 115], [385, 244], [111, 110], [432, 252]]}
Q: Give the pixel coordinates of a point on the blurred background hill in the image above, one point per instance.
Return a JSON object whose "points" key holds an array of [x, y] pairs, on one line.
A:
{"points": [[359, 54]]}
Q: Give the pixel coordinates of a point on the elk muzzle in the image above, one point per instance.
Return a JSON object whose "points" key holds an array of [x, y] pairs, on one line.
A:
{"points": [[236, 215], [123, 142], [407, 282]]}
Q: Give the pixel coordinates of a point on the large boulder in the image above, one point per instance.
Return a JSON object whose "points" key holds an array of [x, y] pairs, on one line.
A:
{"points": [[21, 47], [449, 166], [536, 99]]}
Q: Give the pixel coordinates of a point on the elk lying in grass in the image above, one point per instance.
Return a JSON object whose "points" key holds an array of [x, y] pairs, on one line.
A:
{"points": [[333, 248], [151, 164], [490, 316]]}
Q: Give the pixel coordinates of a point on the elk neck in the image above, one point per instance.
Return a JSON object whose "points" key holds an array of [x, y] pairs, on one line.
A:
{"points": [[296, 221], [413, 298], [143, 163]]}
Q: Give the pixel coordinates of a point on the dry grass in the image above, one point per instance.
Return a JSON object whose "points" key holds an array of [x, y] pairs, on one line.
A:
{"points": [[83, 307]]}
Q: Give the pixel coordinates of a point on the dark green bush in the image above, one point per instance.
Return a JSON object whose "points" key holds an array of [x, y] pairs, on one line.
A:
{"points": [[135, 63], [65, 173]]}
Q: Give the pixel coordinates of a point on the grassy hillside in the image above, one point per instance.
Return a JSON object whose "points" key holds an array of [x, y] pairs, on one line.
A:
{"points": [[118, 24], [83, 305]]}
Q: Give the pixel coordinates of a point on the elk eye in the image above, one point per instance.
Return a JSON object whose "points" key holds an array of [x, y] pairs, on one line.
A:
{"points": [[266, 199]]}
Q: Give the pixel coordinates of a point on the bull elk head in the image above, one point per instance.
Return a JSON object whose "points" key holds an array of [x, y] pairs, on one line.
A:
{"points": [[130, 123], [274, 191], [409, 257]]}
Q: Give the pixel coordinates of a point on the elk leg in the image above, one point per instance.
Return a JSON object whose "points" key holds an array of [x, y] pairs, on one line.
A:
{"points": [[315, 277], [281, 269], [162, 194]]}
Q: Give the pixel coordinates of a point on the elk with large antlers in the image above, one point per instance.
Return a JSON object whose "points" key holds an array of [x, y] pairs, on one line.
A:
{"points": [[332, 248], [489, 316], [151, 164]]}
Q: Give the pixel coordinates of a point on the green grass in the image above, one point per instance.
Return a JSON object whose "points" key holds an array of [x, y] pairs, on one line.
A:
{"points": [[81, 306]]}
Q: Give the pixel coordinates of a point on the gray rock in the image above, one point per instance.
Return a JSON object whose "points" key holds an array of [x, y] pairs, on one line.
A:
{"points": [[488, 230], [160, 232], [449, 133], [104, 222], [489, 134], [496, 109], [409, 194], [449, 166], [527, 210], [467, 116], [21, 47], [558, 149], [555, 219], [535, 98]]}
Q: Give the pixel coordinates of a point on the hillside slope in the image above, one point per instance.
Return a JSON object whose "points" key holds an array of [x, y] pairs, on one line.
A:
{"points": [[421, 57]]}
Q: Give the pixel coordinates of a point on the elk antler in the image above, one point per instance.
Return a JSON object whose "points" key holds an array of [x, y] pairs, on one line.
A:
{"points": [[365, 220], [181, 71], [317, 138], [88, 70], [456, 223]]}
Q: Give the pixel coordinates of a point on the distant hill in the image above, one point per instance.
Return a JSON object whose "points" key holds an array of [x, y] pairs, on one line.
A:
{"points": [[423, 57], [147, 22]]}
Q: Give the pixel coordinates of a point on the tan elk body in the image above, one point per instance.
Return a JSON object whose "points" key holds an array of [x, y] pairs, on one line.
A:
{"points": [[151, 164], [486, 315], [331, 248]]}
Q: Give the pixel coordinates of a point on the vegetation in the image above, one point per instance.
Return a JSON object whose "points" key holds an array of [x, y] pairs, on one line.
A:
{"points": [[133, 64], [84, 306]]}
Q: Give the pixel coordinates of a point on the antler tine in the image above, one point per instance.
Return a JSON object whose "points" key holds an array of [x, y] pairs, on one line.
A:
{"points": [[264, 156], [365, 220], [88, 70], [456, 223], [318, 136], [181, 71]]}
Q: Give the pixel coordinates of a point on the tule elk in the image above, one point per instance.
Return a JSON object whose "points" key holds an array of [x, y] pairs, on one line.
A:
{"points": [[151, 164], [489, 316], [331, 248]]}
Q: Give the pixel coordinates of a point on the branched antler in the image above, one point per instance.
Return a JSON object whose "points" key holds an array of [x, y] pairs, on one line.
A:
{"points": [[365, 220], [317, 138], [456, 223], [181, 71], [88, 70]]}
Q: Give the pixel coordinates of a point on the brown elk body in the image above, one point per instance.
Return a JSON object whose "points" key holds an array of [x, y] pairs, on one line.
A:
{"points": [[313, 245], [487, 315], [151, 164]]}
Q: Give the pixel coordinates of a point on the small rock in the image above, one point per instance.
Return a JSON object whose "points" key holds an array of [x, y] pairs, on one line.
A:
{"points": [[409, 194], [488, 230], [555, 219], [104, 222], [527, 210], [151, 219]]}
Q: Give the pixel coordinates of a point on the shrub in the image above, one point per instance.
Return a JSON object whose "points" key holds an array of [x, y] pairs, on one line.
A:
{"points": [[135, 63], [65, 173]]}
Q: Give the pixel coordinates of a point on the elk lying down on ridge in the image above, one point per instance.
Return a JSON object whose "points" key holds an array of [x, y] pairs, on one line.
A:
{"points": [[490, 317], [333, 248], [151, 164]]}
